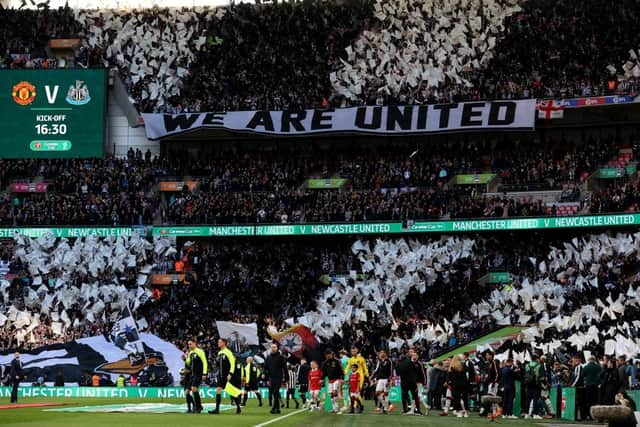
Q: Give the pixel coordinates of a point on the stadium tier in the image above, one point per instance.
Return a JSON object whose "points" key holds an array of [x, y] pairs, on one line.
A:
{"points": [[348, 53], [355, 183], [362, 204]]}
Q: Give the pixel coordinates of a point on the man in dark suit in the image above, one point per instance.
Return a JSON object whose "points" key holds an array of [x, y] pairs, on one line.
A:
{"points": [[408, 383], [275, 369], [16, 375]]}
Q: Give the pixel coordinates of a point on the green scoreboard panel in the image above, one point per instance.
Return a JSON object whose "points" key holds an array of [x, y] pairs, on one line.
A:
{"points": [[52, 113]]}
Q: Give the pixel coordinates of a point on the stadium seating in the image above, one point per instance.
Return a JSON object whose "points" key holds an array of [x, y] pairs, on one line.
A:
{"points": [[563, 209], [200, 63], [571, 291], [245, 187]]}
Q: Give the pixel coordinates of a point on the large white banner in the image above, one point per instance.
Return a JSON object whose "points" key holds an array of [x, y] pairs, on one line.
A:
{"points": [[244, 333], [94, 354], [409, 119]]}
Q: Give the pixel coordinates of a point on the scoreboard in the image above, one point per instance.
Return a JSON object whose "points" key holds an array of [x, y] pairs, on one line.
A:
{"points": [[57, 113]]}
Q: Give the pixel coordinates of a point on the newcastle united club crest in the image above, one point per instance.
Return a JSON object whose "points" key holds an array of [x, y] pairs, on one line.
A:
{"points": [[78, 94], [292, 342]]}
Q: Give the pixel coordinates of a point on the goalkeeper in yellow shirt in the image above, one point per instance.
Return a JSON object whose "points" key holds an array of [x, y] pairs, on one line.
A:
{"points": [[361, 363]]}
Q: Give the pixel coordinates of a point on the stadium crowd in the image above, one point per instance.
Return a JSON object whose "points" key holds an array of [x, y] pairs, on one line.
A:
{"points": [[380, 183], [616, 198], [25, 33], [237, 57], [247, 70], [577, 49], [227, 278], [56, 290], [244, 280]]}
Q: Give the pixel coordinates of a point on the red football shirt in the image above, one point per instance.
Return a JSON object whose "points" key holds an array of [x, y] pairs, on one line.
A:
{"points": [[315, 379], [354, 382]]}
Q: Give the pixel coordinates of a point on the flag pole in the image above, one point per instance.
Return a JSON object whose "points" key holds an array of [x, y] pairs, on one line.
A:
{"points": [[135, 326]]}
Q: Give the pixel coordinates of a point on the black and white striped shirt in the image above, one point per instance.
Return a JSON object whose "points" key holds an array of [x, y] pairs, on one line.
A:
{"points": [[292, 380]]}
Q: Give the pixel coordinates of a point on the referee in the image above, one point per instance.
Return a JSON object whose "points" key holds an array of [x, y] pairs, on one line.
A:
{"points": [[196, 362], [250, 375], [185, 381], [226, 369]]}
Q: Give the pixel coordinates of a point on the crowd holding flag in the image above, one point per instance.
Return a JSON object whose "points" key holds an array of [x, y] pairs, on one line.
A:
{"points": [[125, 336], [298, 340]]}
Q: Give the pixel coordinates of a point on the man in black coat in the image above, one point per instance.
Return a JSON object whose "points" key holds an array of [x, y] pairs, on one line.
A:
{"points": [[408, 383], [16, 375], [508, 377], [491, 379], [275, 368], [303, 380]]}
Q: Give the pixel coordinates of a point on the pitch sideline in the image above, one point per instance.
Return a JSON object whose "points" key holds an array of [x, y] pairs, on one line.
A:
{"points": [[266, 423]]}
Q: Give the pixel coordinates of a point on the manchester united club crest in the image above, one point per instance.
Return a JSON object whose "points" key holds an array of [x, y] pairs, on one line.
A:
{"points": [[23, 93], [78, 94]]}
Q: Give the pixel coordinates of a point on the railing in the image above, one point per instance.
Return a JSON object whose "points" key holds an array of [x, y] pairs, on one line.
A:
{"points": [[540, 186]]}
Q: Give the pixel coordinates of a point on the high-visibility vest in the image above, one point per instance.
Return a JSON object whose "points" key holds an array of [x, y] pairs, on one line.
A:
{"points": [[246, 373], [230, 357]]}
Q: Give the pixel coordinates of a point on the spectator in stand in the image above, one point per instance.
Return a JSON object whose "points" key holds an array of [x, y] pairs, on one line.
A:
{"points": [[285, 55], [385, 185], [24, 34]]}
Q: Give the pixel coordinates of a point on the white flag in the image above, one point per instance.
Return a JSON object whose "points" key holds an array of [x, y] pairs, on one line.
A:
{"points": [[244, 333]]}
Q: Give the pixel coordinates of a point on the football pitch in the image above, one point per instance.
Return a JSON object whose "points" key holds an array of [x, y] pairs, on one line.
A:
{"points": [[86, 412]]}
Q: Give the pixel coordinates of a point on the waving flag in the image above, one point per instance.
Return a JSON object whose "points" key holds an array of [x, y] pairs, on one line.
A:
{"points": [[296, 340], [550, 109], [232, 390], [125, 336], [244, 333]]}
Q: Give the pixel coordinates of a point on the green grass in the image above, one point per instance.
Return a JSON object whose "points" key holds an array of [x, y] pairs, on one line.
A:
{"points": [[37, 417], [252, 415], [470, 347]]}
